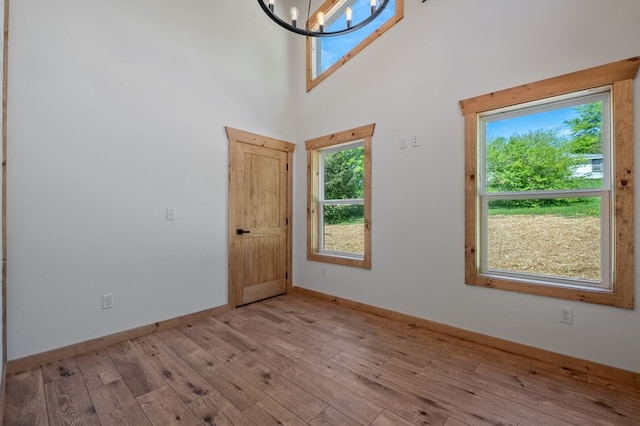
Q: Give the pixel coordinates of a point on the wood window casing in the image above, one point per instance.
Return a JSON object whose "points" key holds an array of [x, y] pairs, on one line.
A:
{"points": [[313, 147], [313, 21], [619, 75]]}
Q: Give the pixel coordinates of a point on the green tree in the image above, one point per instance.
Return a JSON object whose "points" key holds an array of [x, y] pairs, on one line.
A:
{"points": [[344, 179], [344, 174], [537, 160], [586, 129]]}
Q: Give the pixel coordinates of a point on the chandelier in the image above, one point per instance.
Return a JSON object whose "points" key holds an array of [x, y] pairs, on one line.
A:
{"points": [[318, 27]]}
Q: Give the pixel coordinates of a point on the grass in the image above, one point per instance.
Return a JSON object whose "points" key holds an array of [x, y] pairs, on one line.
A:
{"points": [[581, 207], [349, 221], [590, 207]]}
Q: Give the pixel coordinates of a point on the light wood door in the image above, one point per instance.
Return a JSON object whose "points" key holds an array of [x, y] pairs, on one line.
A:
{"points": [[259, 217]]}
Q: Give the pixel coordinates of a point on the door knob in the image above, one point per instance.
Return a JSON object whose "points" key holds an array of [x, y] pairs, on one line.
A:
{"points": [[242, 231]]}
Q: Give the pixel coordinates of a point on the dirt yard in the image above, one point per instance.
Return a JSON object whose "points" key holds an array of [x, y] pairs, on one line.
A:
{"points": [[346, 238], [548, 245]]}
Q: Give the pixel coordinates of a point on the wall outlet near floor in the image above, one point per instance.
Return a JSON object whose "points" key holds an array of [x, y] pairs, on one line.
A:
{"points": [[323, 271], [566, 315], [107, 301]]}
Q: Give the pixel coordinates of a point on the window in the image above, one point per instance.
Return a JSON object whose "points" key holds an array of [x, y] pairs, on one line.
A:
{"points": [[325, 55], [596, 165], [339, 198], [549, 191]]}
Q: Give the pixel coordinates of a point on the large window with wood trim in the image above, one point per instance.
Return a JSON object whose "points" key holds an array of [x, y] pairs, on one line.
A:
{"points": [[339, 197], [326, 54], [549, 190]]}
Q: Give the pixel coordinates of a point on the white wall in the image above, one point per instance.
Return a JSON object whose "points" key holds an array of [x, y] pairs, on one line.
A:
{"points": [[116, 111], [409, 82]]}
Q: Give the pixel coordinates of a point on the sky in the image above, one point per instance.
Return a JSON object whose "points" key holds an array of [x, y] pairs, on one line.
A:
{"points": [[543, 120], [333, 48]]}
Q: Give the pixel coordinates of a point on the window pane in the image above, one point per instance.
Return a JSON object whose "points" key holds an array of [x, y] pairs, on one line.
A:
{"points": [[344, 174], [554, 149], [555, 237], [330, 49], [344, 228]]}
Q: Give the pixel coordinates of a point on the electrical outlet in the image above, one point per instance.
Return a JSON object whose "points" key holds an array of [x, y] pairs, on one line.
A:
{"points": [[323, 271], [107, 301], [404, 142], [414, 141], [566, 315], [171, 213]]}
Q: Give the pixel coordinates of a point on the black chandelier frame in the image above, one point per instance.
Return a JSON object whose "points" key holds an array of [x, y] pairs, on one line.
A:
{"points": [[309, 33]]}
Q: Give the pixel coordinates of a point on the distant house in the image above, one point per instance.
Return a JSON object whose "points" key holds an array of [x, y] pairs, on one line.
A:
{"points": [[590, 167]]}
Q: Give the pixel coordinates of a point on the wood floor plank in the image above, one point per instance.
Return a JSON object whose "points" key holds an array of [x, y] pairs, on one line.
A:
{"points": [[443, 344], [358, 408], [246, 327], [24, 398], [454, 422], [299, 360], [232, 386], [273, 359], [516, 393], [368, 353], [614, 385], [575, 394], [164, 407], [183, 379], [115, 405], [389, 419], [208, 412], [425, 392], [68, 402], [97, 368], [140, 376], [382, 343], [207, 407], [304, 308], [332, 417], [268, 412], [294, 337], [469, 395], [368, 388], [264, 311], [630, 399], [60, 369], [320, 335], [590, 398], [202, 335], [291, 396], [396, 335], [229, 335]]}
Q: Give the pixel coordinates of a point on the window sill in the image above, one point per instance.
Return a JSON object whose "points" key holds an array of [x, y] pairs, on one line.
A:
{"points": [[340, 260], [589, 295]]}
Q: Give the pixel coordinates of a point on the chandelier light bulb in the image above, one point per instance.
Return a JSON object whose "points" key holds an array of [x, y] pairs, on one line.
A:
{"points": [[315, 25]]}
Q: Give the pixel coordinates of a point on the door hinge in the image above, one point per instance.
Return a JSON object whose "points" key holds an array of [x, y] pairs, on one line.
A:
{"points": [[287, 166], [286, 275], [286, 221]]}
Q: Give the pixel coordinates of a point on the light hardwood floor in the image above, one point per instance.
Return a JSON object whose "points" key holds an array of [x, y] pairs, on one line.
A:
{"points": [[293, 360]]}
